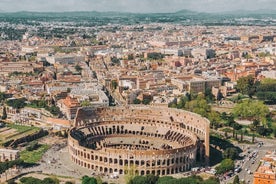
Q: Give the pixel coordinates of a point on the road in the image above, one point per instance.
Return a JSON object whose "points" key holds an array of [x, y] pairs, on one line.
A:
{"points": [[250, 164]]}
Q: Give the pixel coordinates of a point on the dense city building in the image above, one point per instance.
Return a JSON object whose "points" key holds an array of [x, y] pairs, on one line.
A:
{"points": [[266, 173]]}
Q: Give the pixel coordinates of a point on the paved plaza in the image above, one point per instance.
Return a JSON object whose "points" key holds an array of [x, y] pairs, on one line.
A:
{"points": [[56, 161]]}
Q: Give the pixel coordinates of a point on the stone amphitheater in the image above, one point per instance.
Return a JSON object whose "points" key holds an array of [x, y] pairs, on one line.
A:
{"points": [[153, 140]]}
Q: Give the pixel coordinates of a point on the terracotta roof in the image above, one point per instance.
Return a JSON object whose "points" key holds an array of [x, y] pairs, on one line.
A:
{"points": [[56, 121]]}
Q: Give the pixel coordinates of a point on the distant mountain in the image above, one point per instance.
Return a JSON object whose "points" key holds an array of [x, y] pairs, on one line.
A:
{"points": [[60, 14], [181, 13], [185, 17], [250, 12], [186, 12]]}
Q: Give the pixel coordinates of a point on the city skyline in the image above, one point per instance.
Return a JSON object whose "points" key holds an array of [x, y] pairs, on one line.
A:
{"points": [[141, 6]]}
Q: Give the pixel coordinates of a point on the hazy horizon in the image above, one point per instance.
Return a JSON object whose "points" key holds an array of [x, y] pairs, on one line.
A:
{"points": [[135, 6]]}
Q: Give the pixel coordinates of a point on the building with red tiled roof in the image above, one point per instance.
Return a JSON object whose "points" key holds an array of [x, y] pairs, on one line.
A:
{"points": [[266, 173], [69, 107]]}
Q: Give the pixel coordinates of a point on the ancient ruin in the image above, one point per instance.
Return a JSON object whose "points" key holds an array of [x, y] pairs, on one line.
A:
{"points": [[153, 140]]}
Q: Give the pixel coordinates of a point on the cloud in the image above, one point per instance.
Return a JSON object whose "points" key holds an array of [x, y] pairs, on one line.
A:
{"points": [[135, 5]]}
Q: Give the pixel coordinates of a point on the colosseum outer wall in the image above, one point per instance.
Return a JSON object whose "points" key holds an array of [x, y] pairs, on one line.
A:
{"points": [[179, 158]]}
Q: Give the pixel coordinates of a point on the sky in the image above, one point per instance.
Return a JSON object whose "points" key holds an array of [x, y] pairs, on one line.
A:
{"points": [[140, 6]]}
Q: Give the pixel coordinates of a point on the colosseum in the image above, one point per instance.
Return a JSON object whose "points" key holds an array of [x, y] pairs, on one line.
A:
{"points": [[153, 140]]}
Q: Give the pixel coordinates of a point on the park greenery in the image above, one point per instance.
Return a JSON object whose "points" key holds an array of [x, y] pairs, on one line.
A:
{"points": [[35, 154], [9, 164], [231, 153], [145, 101], [155, 56], [33, 146], [19, 131], [3, 96], [198, 103], [264, 90], [22, 128], [251, 110], [32, 180], [247, 107], [236, 180], [17, 103], [91, 180], [22, 102], [132, 177], [221, 148], [151, 179], [225, 165], [88, 180], [246, 85]]}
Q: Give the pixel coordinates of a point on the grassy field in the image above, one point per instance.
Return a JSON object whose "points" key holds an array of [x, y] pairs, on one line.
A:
{"points": [[12, 132], [35, 155], [22, 128]]}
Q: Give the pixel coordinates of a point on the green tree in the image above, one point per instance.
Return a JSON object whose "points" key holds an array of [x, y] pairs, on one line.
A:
{"points": [[182, 101], [199, 106], [85, 103], [146, 101], [214, 118], [88, 180], [136, 101], [253, 138], [219, 96], [50, 181], [209, 95], [151, 179], [30, 180], [139, 180], [115, 60], [225, 165], [17, 103], [114, 84], [9, 164], [54, 110], [252, 110], [165, 180], [266, 91], [231, 153], [236, 180], [99, 180], [155, 56], [68, 182], [78, 68], [130, 173], [246, 85], [2, 97], [211, 180], [261, 130], [274, 132], [4, 116], [33, 146], [255, 123], [223, 116], [130, 57]]}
